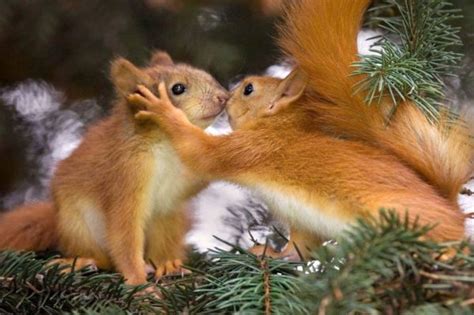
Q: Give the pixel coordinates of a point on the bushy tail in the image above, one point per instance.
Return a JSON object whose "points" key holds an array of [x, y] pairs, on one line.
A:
{"points": [[30, 227], [321, 35]]}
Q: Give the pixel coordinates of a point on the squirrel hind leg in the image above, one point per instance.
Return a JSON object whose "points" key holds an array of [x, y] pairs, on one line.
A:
{"points": [[166, 247]]}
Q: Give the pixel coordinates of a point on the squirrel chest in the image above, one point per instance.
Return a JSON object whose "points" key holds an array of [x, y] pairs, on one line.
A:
{"points": [[170, 182]]}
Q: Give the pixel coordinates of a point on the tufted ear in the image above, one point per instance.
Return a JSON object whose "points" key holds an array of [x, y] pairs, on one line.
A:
{"points": [[161, 58], [126, 76], [289, 90]]}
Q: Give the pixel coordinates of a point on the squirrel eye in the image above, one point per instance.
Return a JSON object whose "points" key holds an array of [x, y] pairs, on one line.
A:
{"points": [[248, 89], [178, 89]]}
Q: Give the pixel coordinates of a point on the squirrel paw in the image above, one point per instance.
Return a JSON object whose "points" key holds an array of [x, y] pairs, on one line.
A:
{"points": [[151, 108], [147, 105], [152, 291], [143, 99], [289, 253], [451, 253], [144, 116], [171, 268], [72, 264]]}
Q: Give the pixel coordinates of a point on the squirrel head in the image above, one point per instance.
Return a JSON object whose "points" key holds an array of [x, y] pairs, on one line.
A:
{"points": [[192, 90], [255, 97]]}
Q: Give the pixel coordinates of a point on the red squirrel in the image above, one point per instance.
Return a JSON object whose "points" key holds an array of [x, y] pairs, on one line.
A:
{"points": [[316, 153], [119, 199]]}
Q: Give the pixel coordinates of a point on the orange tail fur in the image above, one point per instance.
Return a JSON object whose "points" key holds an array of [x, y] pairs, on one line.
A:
{"points": [[321, 35], [30, 227]]}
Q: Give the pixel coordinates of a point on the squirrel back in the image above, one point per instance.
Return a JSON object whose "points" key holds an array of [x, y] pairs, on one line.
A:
{"points": [[322, 37]]}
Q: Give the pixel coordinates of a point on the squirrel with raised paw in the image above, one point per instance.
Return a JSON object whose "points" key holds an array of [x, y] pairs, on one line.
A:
{"points": [[311, 147]]}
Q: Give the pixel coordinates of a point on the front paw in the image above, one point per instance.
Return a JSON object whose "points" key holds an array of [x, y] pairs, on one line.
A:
{"points": [[142, 108], [148, 106], [144, 99]]}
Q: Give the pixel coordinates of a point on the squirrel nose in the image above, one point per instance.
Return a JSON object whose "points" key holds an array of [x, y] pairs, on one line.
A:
{"points": [[221, 99]]}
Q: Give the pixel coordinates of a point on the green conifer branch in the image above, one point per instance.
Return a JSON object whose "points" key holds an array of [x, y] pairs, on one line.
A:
{"points": [[379, 266], [413, 56], [384, 266], [30, 285], [239, 281]]}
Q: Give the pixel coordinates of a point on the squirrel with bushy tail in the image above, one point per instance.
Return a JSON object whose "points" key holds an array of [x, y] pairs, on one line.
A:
{"points": [[314, 150]]}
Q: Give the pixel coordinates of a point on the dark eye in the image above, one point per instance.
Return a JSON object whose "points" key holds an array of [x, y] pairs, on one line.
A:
{"points": [[178, 89], [248, 89]]}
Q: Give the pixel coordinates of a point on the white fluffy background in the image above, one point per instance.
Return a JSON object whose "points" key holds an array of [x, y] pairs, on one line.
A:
{"points": [[56, 131], [467, 204]]}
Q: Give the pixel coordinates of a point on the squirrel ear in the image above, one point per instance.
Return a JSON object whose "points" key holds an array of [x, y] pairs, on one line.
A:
{"points": [[288, 91], [161, 58], [126, 76]]}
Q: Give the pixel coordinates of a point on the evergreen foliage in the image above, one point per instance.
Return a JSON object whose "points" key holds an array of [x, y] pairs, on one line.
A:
{"points": [[379, 266], [385, 266], [414, 55], [29, 285], [239, 281]]}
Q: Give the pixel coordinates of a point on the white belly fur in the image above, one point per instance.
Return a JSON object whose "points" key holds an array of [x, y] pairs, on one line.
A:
{"points": [[300, 213], [171, 181], [95, 221]]}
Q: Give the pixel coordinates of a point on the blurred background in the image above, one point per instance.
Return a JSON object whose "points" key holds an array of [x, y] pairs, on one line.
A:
{"points": [[59, 51]]}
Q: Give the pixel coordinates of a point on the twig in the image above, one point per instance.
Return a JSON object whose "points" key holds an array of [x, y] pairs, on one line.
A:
{"points": [[266, 287], [323, 305], [467, 192], [32, 287], [446, 277], [468, 302]]}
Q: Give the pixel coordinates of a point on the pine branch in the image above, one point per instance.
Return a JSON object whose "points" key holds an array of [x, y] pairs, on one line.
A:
{"points": [[386, 267], [377, 267], [413, 56], [239, 281], [29, 285]]}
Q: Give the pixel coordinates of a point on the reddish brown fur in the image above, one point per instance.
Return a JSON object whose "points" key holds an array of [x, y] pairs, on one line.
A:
{"points": [[30, 227], [285, 146], [338, 179], [117, 202], [322, 37]]}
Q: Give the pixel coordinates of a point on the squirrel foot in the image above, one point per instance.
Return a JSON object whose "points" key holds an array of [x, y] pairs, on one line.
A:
{"points": [[289, 253], [451, 253], [170, 268], [72, 264], [152, 291]]}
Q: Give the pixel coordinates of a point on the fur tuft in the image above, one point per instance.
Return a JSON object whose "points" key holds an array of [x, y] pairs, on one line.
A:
{"points": [[31, 227], [322, 37]]}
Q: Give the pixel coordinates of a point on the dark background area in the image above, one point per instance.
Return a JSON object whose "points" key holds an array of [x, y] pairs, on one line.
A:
{"points": [[70, 44]]}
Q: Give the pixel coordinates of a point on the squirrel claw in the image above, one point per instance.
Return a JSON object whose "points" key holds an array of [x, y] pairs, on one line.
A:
{"points": [[171, 268]]}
